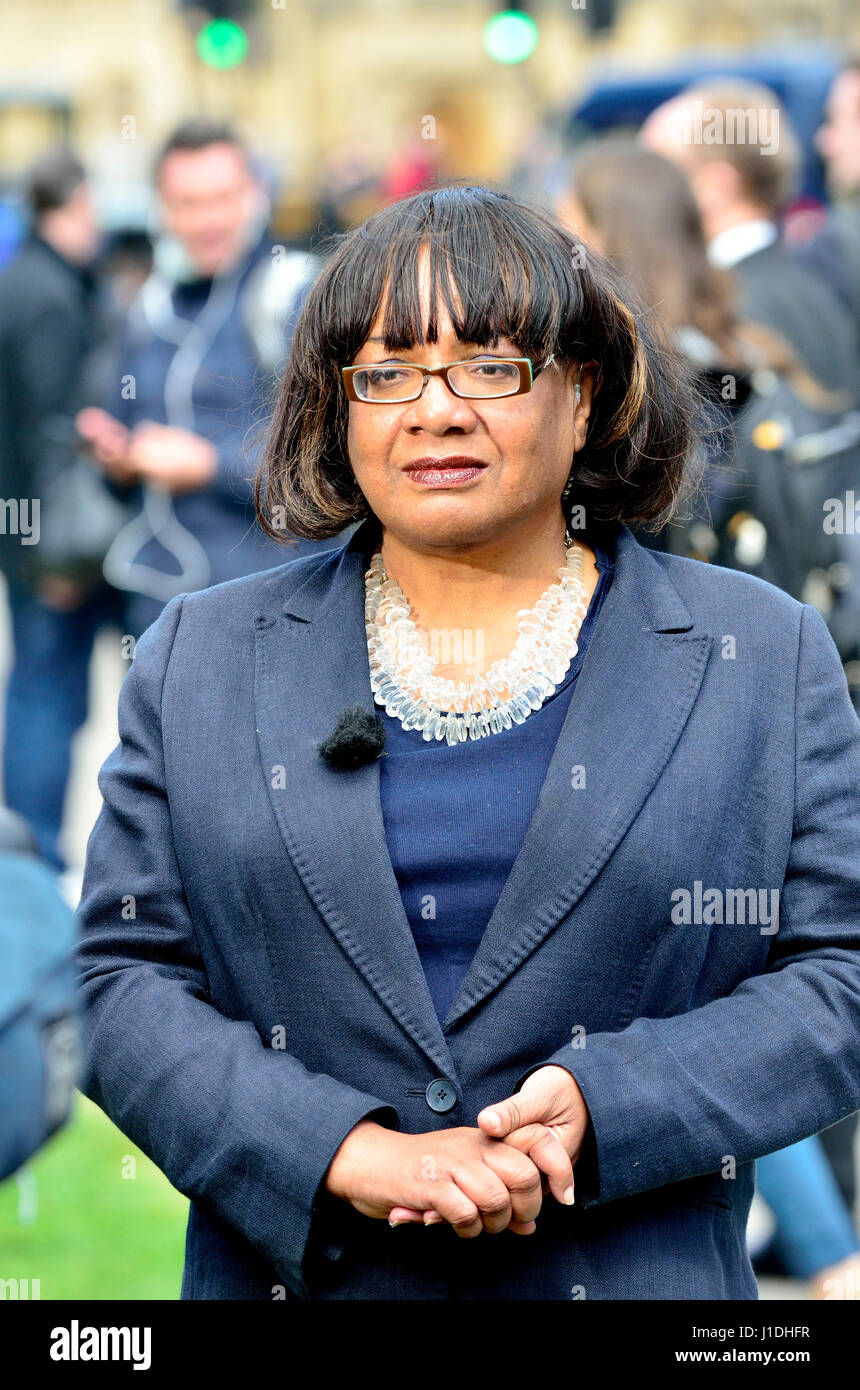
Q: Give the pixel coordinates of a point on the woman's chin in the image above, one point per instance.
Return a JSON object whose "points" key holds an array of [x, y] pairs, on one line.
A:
{"points": [[446, 532]]}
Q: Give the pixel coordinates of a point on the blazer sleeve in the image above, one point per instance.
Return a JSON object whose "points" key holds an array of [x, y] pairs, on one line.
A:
{"points": [[778, 1059], [239, 1126]]}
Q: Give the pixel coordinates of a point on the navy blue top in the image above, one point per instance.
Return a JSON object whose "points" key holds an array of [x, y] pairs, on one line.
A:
{"points": [[456, 817]]}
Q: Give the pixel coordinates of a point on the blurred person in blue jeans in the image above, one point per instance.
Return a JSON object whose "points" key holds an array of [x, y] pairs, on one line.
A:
{"points": [[196, 365], [49, 326], [814, 1237]]}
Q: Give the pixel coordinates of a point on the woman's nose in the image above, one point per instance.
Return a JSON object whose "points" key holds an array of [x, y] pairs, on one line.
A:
{"points": [[438, 402]]}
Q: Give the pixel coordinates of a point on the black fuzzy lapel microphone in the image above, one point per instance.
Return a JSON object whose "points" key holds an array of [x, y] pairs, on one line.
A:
{"points": [[357, 738]]}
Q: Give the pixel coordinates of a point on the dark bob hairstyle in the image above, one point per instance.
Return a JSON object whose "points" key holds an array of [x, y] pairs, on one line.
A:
{"points": [[519, 273]]}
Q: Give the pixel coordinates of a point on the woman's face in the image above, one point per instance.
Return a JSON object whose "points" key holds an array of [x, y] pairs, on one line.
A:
{"points": [[526, 444]]}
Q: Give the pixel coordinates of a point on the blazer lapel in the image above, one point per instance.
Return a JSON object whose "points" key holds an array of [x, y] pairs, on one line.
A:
{"points": [[632, 698], [634, 694], [311, 662]]}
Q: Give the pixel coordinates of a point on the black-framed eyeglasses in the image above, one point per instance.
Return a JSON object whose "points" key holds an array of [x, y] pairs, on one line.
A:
{"points": [[484, 378]]}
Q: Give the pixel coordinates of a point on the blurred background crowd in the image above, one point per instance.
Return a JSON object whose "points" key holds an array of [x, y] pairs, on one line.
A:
{"points": [[171, 180]]}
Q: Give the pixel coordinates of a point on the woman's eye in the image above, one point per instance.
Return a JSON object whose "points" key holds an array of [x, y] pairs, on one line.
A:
{"points": [[493, 371], [384, 376]]}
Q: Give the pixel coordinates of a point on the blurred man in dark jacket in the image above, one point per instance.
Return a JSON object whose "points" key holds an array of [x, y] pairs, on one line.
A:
{"points": [[742, 159], [834, 253], [48, 325], [201, 349]]}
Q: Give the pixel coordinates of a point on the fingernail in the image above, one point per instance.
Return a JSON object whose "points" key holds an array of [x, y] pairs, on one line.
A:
{"points": [[396, 1223], [494, 1118], [568, 1196]]}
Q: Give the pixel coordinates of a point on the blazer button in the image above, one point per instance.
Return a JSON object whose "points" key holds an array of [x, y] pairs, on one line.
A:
{"points": [[441, 1095]]}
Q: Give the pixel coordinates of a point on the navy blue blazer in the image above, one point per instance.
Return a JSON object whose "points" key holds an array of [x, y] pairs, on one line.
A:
{"points": [[253, 990]]}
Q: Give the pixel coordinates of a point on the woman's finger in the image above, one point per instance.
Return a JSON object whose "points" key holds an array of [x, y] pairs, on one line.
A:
{"points": [[548, 1153], [398, 1214], [404, 1215], [521, 1177], [489, 1194]]}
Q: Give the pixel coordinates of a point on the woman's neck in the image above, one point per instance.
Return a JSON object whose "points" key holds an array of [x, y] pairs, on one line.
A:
{"points": [[467, 600]]}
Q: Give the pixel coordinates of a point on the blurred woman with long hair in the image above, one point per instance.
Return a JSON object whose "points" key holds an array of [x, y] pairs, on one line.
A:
{"points": [[638, 208]]}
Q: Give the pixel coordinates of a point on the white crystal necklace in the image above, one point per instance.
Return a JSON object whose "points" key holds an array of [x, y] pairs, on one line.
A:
{"points": [[401, 668]]}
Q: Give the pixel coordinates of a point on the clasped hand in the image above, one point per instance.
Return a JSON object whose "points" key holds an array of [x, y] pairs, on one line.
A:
{"points": [[490, 1178]]}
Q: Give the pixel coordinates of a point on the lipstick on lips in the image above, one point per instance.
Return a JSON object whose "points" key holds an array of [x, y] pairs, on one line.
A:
{"points": [[444, 472]]}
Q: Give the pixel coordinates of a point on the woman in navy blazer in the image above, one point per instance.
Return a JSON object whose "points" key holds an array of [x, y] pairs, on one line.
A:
{"points": [[643, 972]]}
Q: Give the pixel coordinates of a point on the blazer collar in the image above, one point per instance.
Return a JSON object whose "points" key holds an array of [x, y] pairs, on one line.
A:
{"points": [[633, 696], [340, 576]]}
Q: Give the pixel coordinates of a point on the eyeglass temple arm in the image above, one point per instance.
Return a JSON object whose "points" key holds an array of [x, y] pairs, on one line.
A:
{"points": [[577, 388]]}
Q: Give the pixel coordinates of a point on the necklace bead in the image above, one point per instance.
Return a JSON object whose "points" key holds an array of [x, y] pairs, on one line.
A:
{"points": [[402, 672]]}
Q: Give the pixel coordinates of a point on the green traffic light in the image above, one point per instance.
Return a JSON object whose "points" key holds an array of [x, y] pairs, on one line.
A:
{"points": [[510, 37], [222, 44]]}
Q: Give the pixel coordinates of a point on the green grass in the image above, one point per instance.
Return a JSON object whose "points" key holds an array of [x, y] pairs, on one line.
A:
{"points": [[95, 1234]]}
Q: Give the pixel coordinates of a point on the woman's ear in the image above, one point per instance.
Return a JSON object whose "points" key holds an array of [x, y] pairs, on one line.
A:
{"points": [[583, 396]]}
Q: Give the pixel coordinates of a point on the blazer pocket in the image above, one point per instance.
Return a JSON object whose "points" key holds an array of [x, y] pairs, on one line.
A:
{"points": [[706, 1194], [714, 1205]]}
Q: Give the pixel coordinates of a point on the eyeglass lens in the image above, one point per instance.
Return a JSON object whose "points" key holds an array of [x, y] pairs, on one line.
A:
{"points": [[466, 379]]}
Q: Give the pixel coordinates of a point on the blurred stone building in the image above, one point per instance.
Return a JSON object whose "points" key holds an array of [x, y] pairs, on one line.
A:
{"points": [[337, 94]]}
